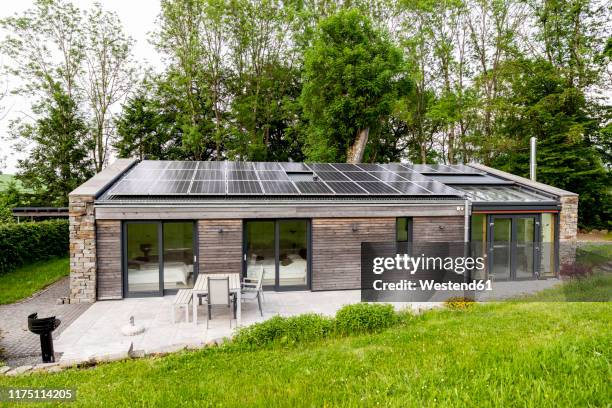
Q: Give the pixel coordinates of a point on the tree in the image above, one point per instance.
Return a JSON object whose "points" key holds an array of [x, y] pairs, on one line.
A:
{"points": [[147, 125], [58, 161], [351, 82], [108, 76], [543, 106], [265, 83], [190, 36], [85, 53]]}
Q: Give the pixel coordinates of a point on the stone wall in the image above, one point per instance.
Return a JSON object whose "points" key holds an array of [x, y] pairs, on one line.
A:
{"points": [[568, 231], [82, 249], [568, 218]]}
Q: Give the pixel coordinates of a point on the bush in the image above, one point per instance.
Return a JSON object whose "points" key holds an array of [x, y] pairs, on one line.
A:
{"points": [[32, 241], [285, 330], [365, 318], [459, 303], [575, 271]]}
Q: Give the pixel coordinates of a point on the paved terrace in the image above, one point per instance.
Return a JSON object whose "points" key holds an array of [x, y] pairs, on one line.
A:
{"points": [[97, 332]]}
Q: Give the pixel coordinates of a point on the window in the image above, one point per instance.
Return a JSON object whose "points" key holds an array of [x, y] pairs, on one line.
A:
{"points": [[403, 229]]}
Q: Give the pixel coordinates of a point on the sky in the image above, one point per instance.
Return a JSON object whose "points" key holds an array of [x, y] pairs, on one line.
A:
{"points": [[138, 17]]}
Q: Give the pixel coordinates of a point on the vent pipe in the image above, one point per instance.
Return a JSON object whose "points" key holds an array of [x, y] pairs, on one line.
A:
{"points": [[532, 159]]}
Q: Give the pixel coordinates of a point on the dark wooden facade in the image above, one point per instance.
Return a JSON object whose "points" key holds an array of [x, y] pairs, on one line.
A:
{"points": [[335, 247], [109, 280]]}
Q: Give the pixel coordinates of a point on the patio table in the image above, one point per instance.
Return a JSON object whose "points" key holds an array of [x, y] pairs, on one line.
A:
{"points": [[201, 287]]}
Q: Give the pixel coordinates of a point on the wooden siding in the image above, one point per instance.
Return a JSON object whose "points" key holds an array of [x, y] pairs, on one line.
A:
{"points": [[220, 251], [336, 249], [110, 283], [438, 229], [228, 210]]}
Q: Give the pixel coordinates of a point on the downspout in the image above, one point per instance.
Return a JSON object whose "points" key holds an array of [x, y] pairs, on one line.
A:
{"points": [[466, 237], [466, 226]]}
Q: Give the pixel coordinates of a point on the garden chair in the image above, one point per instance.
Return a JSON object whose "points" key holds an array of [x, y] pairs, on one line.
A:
{"points": [[219, 295], [252, 289]]}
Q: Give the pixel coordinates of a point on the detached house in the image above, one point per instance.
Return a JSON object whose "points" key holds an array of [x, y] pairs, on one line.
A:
{"points": [[148, 228]]}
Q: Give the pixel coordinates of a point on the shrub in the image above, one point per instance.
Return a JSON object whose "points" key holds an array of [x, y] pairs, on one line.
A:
{"points": [[459, 303], [32, 241], [285, 330], [575, 271], [365, 318]]}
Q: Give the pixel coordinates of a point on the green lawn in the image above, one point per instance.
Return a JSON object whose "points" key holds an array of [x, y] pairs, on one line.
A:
{"points": [[29, 279], [511, 354], [6, 178]]}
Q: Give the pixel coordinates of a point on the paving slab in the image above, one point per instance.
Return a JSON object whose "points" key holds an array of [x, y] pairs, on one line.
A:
{"points": [[18, 344]]}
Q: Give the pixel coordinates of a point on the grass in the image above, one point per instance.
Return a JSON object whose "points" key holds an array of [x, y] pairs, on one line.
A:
{"points": [[29, 279], [5, 179], [529, 354]]}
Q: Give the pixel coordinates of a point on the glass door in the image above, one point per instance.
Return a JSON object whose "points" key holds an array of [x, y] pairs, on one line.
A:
{"points": [[159, 257], [143, 253], [259, 250], [501, 255], [292, 253], [281, 248], [178, 244], [525, 247], [514, 242]]}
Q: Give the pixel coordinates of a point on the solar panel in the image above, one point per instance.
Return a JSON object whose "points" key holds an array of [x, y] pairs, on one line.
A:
{"points": [[272, 175], [209, 175], [131, 187], [294, 167], [243, 187], [422, 168], [313, 187], [412, 176], [409, 188], [463, 169], [182, 165], [144, 174], [212, 165], [387, 176], [267, 166], [154, 164], [279, 187], [346, 167], [216, 187], [157, 177], [239, 165], [360, 176], [437, 188], [322, 167], [346, 188], [369, 167], [376, 187], [169, 187], [332, 176], [177, 175], [241, 175], [393, 167]]}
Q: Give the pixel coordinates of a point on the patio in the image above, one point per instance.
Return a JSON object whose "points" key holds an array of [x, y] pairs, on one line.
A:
{"points": [[97, 332]]}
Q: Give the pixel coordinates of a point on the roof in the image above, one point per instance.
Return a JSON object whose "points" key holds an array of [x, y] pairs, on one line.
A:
{"points": [[104, 179], [522, 180], [154, 182]]}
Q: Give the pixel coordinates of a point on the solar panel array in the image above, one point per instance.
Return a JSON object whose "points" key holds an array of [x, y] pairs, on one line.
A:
{"points": [[167, 178]]}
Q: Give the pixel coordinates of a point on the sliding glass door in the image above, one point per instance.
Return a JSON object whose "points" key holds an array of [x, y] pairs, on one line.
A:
{"points": [[143, 254], [159, 257], [514, 247], [281, 248]]}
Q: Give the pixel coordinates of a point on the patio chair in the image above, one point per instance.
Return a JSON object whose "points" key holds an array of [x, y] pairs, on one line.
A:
{"points": [[251, 283], [253, 289], [219, 295]]}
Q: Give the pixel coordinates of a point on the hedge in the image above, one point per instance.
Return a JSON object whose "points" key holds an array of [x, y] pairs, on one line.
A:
{"points": [[32, 241]]}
